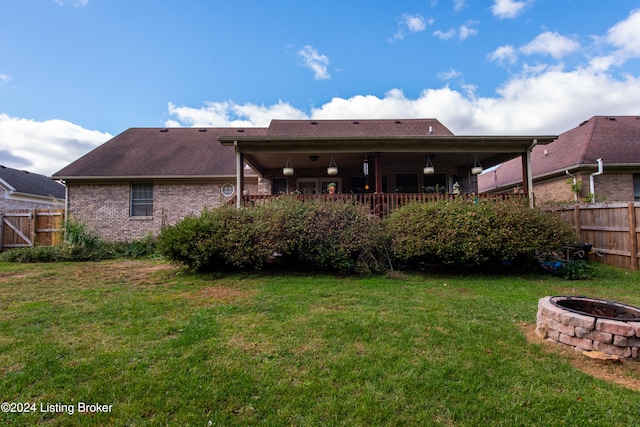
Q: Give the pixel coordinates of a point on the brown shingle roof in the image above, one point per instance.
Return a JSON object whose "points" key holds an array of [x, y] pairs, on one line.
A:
{"points": [[153, 152], [354, 128], [614, 139]]}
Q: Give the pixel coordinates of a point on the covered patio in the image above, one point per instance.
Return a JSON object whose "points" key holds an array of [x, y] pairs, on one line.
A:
{"points": [[383, 163]]}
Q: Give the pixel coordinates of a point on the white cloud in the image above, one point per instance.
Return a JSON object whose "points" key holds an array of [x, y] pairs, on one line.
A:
{"points": [[445, 35], [315, 61], [539, 100], [625, 38], [448, 75], [458, 5], [551, 43], [509, 8], [230, 114], [412, 23], [466, 31], [504, 55], [74, 3], [44, 147]]}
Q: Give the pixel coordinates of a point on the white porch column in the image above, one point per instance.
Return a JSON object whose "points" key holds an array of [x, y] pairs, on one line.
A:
{"points": [[239, 175], [532, 201]]}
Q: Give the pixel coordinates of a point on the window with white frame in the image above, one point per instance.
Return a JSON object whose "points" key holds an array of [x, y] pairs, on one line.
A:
{"points": [[141, 199]]}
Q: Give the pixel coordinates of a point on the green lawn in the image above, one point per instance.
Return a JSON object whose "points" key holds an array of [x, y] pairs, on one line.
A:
{"points": [[164, 347]]}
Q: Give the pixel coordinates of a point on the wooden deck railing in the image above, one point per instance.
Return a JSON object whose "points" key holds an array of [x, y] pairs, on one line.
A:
{"points": [[383, 204]]}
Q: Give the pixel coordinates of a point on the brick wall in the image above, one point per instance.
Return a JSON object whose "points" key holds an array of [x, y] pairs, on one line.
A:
{"points": [[104, 208], [610, 187], [617, 187]]}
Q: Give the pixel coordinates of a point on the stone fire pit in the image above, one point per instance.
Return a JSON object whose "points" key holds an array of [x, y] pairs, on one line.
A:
{"points": [[590, 324]]}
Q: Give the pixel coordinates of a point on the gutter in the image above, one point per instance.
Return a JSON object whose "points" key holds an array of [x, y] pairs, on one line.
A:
{"points": [[575, 181]]}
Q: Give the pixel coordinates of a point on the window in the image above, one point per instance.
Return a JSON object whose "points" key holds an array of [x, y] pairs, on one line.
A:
{"points": [[406, 183], [436, 183], [141, 199], [227, 190], [279, 186], [636, 186]]}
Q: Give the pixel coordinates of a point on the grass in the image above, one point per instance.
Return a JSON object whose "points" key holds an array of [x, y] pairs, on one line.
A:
{"points": [[165, 347]]}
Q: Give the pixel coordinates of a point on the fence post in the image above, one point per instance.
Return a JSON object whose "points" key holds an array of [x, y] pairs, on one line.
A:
{"points": [[631, 213], [576, 221]]}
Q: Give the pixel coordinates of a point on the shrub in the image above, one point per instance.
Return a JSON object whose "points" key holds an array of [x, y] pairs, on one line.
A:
{"points": [[80, 244], [459, 233], [322, 236]]}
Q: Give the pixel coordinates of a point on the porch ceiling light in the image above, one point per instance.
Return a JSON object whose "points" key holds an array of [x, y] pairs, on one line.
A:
{"points": [[287, 170], [365, 165], [428, 169], [477, 167], [333, 168]]}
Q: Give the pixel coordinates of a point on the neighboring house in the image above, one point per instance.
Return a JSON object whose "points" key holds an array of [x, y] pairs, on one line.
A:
{"points": [[147, 178], [573, 159], [25, 190]]}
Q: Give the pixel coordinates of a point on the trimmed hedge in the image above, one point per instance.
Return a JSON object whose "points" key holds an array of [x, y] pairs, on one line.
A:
{"points": [[459, 233]]}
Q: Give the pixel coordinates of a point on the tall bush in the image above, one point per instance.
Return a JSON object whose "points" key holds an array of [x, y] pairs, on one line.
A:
{"points": [[314, 235], [459, 233]]}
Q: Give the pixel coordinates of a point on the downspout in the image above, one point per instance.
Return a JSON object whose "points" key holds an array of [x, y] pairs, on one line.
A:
{"points": [[591, 183], [575, 181], [530, 174]]}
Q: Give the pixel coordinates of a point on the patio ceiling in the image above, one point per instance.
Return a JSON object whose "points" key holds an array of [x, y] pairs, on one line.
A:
{"points": [[269, 153]]}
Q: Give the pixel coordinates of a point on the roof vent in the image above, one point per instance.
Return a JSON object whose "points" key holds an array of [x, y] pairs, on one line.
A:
{"points": [[611, 118], [355, 122], [240, 130], [584, 123], [398, 122], [202, 130], [314, 122], [164, 130]]}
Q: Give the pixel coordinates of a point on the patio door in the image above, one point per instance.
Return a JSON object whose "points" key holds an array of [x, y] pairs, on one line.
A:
{"points": [[317, 185]]}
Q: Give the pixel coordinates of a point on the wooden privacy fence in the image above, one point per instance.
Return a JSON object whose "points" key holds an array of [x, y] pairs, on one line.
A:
{"points": [[43, 227], [612, 229]]}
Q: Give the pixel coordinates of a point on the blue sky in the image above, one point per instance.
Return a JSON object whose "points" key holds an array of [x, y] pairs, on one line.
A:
{"points": [[74, 73]]}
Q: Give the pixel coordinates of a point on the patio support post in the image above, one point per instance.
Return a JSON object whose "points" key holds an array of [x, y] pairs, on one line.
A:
{"points": [[239, 175], [378, 165], [529, 175]]}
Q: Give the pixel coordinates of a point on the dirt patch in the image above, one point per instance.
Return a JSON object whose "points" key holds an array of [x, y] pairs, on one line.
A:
{"points": [[626, 373]]}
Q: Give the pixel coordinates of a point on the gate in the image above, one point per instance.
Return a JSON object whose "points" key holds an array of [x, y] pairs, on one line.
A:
{"points": [[19, 229]]}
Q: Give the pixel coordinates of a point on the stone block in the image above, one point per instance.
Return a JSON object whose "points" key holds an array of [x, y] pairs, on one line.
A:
{"points": [[575, 319], [560, 327], [626, 341], [615, 327], [576, 342], [550, 310], [612, 349], [602, 337]]}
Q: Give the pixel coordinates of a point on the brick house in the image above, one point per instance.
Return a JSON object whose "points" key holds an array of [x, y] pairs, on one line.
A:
{"points": [[21, 190], [146, 178], [574, 159]]}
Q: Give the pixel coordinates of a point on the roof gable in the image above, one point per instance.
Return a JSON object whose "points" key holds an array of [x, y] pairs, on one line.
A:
{"points": [[31, 183]]}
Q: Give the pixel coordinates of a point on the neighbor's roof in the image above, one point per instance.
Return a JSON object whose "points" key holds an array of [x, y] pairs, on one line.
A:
{"points": [[160, 152], [614, 139], [20, 181]]}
